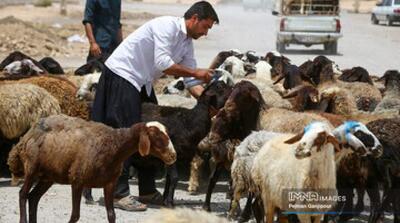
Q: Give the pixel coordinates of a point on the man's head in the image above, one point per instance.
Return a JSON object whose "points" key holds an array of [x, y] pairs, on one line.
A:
{"points": [[200, 17]]}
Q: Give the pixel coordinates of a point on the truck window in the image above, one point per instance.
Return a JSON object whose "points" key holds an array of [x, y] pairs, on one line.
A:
{"points": [[397, 2], [310, 7], [387, 2]]}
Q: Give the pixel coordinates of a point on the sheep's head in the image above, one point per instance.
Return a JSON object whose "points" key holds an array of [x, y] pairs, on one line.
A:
{"points": [[215, 96], [239, 115], [155, 141], [391, 77], [359, 138], [312, 139], [175, 87]]}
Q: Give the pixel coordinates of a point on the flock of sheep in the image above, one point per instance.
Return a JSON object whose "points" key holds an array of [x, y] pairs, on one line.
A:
{"points": [[274, 125]]}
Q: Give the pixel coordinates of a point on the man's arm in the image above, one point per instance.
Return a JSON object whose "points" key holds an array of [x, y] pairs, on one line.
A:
{"points": [[120, 36], [94, 47], [87, 22]]}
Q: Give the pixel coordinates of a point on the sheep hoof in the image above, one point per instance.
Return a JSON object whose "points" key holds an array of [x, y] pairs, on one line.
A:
{"points": [[193, 190], [168, 204], [15, 182], [207, 208]]}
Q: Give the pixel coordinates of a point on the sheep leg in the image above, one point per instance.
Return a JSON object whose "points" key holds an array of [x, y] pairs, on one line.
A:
{"points": [[257, 207], [108, 199], [246, 213], [396, 200], [34, 197], [172, 181], [194, 173], [373, 193], [234, 204], [23, 195], [211, 185], [269, 211], [76, 203], [360, 200]]}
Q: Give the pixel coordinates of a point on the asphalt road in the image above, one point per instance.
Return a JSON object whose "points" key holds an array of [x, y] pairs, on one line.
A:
{"points": [[374, 47]]}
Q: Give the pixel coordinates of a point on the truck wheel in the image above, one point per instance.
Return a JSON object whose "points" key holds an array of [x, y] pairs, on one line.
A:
{"points": [[374, 20], [331, 48], [390, 22], [280, 47]]}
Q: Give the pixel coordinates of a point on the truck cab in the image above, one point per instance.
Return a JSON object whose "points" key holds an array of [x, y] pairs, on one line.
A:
{"points": [[308, 22]]}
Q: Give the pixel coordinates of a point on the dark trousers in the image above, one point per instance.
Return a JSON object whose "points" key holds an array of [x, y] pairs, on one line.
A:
{"points": [[118, 104]]}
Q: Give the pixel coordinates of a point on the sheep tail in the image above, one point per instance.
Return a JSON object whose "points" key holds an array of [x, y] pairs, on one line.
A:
{"points": [[15, 163]]}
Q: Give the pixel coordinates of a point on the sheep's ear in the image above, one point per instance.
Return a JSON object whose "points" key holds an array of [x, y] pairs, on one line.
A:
{"points": [[144, 143], [335, 143], [295, 138]]}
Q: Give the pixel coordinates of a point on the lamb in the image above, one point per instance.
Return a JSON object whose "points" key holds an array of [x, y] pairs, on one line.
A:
{"points": [[311, 153], [67, 150], [184, 215], [391, 100]]}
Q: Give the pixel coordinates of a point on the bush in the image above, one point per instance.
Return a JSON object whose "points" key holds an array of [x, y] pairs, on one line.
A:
{"points": [[42, 3]]}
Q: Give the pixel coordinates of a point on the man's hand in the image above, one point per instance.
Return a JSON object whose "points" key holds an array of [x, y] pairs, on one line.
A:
{"points": [[95, 49], [204, 74]]}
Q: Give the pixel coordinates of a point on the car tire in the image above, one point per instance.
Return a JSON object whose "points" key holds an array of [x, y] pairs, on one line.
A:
{"points": [[389, 21], [331, 48], [374, 20], [280, 47]]}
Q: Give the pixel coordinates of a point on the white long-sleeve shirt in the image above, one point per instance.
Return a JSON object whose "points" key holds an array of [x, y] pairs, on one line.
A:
{"points": [[151, 49]]}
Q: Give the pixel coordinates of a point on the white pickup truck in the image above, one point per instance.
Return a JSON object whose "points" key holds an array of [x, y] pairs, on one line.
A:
{"points": [[308, 22]]}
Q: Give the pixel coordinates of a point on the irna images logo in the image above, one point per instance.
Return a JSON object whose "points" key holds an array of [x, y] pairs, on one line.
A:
{"points": [[312, 196]]}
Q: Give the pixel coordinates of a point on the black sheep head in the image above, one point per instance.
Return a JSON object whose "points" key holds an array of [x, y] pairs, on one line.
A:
{"points": [[240, 114]]}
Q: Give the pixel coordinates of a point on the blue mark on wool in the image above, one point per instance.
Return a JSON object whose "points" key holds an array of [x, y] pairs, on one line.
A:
{"points": [[348, 126], [308, 127]]}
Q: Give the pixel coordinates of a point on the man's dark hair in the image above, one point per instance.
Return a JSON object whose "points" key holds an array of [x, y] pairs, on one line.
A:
{"points": [[204, 10]]}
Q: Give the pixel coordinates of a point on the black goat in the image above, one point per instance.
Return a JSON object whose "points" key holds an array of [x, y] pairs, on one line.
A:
{"points": [[186, 127]]}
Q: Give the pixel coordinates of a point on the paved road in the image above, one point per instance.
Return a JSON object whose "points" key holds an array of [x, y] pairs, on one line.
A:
{"points": [[376, 48]]}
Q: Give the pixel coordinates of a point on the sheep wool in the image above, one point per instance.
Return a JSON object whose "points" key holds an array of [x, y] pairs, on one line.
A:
{"points": [[22, 105]]}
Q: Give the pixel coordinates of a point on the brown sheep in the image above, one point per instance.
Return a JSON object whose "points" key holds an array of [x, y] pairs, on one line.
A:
{"points": [[67, 150], [62, 89], [305, 98]]}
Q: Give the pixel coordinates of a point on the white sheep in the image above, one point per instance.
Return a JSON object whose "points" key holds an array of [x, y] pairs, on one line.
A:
{"points": [[242, 163], [235, 66], [304, 161], [174, 100], [85, 90], [24, 67]]}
